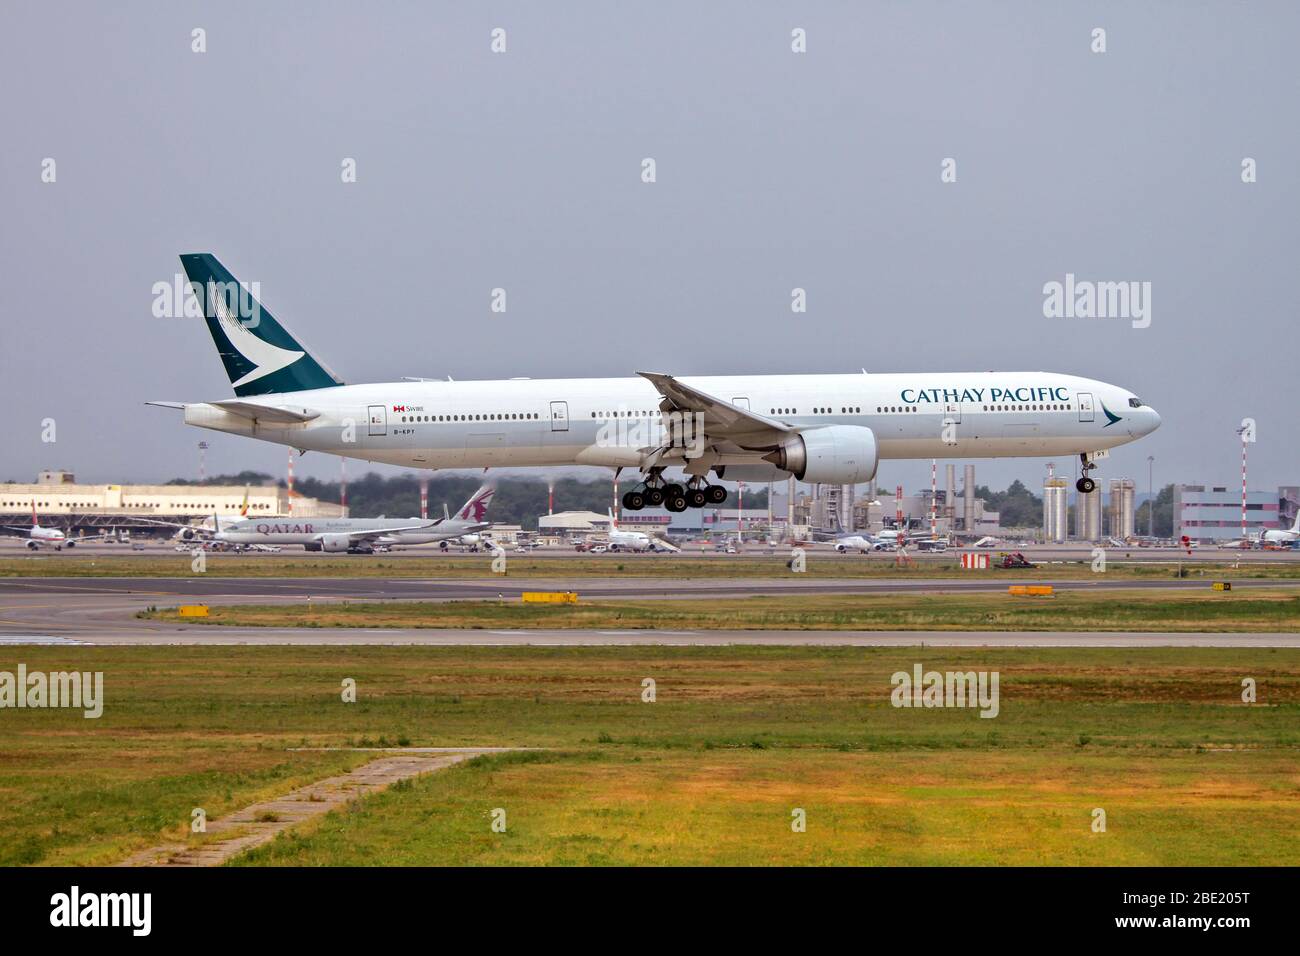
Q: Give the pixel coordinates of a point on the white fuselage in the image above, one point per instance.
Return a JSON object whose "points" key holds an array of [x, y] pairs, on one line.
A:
{"points": [[630, 540], [40, 537], [857, 542], [1280, 537], [312, 530], [609, 421]]}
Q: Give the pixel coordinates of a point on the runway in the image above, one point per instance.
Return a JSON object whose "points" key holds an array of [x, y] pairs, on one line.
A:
{"points": [[101, 611], [1073, 553], [434, 637], [251, 589]]}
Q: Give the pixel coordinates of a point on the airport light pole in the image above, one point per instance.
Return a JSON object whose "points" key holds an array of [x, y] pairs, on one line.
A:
{"points": [[1243, 432]]}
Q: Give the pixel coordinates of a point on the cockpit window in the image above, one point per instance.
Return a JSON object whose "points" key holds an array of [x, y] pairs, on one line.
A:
{"points": [[1135, 403]]}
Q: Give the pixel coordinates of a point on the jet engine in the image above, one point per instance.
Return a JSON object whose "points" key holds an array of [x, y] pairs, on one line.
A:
{"points": [[836, 455], [335, 543]]}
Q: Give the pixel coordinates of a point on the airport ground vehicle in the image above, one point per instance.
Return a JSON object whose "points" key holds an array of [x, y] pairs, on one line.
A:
{"points": [[1011, 560]]}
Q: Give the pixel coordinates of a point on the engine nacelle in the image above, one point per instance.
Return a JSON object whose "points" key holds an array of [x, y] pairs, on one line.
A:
{"points": [[334, 543], [835, 455]]}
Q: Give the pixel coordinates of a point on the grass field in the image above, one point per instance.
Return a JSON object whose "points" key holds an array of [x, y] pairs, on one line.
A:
{"points": [[1257, 609], [737, 738], [821, 564]]}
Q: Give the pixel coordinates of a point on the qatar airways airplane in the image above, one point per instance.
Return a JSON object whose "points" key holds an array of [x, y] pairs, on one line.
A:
{"points": [[832, 428]]}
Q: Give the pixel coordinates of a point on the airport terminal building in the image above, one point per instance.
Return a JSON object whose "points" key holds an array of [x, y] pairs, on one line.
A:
{"points": [[1209, 513], [62, 503]]}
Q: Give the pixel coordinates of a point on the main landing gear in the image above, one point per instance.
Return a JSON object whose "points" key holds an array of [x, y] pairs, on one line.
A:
{"points": [[1085, 485], [654, 491]]}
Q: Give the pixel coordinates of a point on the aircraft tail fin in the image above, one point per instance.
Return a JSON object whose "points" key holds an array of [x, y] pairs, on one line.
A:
{"points": [[260, 354], [476, 508], [1295, 526]]}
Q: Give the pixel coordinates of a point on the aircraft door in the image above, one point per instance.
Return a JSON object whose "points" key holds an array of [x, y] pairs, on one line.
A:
{"points": [[378, 420], [741, 403], [1086, 412], [952, 412], [559, 416]]}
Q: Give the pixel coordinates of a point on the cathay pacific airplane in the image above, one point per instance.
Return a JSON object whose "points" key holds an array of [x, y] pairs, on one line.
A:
{"points": [[832, 428]]}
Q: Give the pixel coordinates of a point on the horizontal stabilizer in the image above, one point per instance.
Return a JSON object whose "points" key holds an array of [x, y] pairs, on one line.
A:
{"points": [[268, 413]]}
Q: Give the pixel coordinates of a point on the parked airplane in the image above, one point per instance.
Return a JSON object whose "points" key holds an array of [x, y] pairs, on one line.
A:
{"points": [[864, 544], [356, 535], [820, 428], [620, 540], [463, 530], [39, 537], [1281, 537]]}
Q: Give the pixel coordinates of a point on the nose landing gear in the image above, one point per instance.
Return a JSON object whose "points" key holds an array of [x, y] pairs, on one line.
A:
{"points": [[1085, 485]]}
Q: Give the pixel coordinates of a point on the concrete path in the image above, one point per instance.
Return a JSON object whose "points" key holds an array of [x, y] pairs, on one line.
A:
{"points": [[259, 823]]}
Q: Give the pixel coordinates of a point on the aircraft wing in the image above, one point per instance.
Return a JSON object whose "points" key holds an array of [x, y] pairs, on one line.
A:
{"points": [[375, 533], [89, 537], [723, 420], [197, 529]]}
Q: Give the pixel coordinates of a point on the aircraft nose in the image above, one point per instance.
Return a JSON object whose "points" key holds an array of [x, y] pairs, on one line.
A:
{"points": [[1153, 420]]}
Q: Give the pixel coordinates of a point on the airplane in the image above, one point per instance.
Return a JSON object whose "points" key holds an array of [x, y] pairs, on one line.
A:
{"points": [[1281, 537], [887, 539], [463, 529], [354, 535], [471, 542], [56, 538], [620, 540], [863, 544], [829, 428]]}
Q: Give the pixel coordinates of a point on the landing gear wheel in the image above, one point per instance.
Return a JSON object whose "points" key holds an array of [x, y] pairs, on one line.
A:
{"points": [[716, 494], [674, 489], [634, 501], [654, 497], [1086, 485], [697, 497], [675, 500]]}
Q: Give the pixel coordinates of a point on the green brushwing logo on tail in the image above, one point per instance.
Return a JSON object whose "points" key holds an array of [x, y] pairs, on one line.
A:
{"points": [[260, 355], [1111, 417]]}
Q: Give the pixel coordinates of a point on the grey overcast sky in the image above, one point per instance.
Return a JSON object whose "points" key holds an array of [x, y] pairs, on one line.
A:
{"points": [[775, 170]]}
